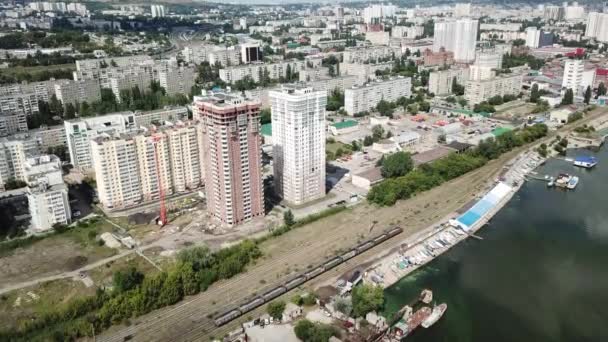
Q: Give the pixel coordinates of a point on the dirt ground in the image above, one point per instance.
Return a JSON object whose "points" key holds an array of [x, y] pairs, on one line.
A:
{"points": [[56, 254]]}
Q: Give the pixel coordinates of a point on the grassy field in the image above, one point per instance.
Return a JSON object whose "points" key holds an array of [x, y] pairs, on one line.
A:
{"points": [[38, 299], [35, 69], [333, 147], [57, 253]]}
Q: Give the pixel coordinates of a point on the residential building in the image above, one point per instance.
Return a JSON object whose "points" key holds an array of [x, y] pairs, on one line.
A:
{"points": [[441, 81], [365, 98], [154, 165], [76, 92], [258, 70], [365, 72], [12, 122], [374, 14], [411, 32], [114, 159], [477, 91], [597, 26], [177, 79], [225, 56], [14, 152], [251, 53], [185, 156], [298, 138], [79, 132], [47, 194], [362, 54], [458, 36], [439, 58], [160, 116], [574, 12], [573, 74], [49, 136], [536, 38], [232, 156], [129, 80], [555, 13], [378, 37], [25, 102], [157, 11]]}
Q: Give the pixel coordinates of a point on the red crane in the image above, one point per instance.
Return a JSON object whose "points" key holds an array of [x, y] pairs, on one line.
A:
{"points": [[161, 191]]}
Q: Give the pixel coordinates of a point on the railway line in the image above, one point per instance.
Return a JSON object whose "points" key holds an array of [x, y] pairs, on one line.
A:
{"points": [[188, 320]]}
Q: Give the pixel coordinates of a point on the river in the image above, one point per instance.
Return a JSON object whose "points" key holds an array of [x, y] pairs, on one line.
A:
{"points": [[539, 274]]}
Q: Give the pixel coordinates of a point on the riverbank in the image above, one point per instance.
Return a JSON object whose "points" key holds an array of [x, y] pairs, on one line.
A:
{"points": [[417, 251]]}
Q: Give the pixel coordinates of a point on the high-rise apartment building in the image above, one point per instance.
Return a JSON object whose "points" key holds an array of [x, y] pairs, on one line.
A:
{"points": [[115, 162], [462, 9], [75, 92], [176, 79], [157, 11], [441, 81], [458, 36], [554, 13], [365, 97], [232, 156], [573, 75], [251, 53], [298, 138], [597, 26], [536, 38]]}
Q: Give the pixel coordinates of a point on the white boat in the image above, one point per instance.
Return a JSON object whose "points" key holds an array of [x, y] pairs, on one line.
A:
{"points": [[572, 183], [437, 313], [586, 162]]}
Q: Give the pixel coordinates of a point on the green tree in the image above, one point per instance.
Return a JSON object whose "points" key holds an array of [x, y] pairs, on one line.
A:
{"points": [[397, 164], [568, 98], [189, 280], [368, 141], [344, 305], [377, 133], [265, 116], [275, 309], [127, 279], [308, 331], [385, 108], [534, 93], [367, 298], [457, 88], [587, 95], [288, 218], [601, 89]]}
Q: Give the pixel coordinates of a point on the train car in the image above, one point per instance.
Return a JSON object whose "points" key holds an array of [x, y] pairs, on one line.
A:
{"points": [[295, 282], [380, 238], [274, 293], [227, 317], [251, 304], [313, 273], [365, 246], [332, 263], [394, 231], [349, 254]]}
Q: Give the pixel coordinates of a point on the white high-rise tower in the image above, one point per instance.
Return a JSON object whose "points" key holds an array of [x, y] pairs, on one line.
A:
{"points": [[458, 36], [298, 137]]}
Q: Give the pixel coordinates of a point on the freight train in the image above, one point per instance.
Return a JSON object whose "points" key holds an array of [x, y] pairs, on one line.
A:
{"points": [[302, 278]]}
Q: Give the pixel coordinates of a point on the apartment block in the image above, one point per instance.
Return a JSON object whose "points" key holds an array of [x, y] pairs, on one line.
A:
{"points": [[298, 138], [177, 79], [47, 194], [441, 81], [458, 36], [49, 136], [439, 58], [154, 165], [26, 103], [79, 133], [365, 72], [257, 70], [160, 116], [14, 152], [140, 78], [225, 56], [369, 53], [76, 92], [12, 122], [232, 156], [185, 156], [114, 159], [365, 98], [477, 91]]}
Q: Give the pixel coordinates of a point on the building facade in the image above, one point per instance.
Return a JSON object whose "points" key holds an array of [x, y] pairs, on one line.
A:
{"points": [[365, 98], [298, 138], [458, 36], [477, 91], [232, 156], [441, 81]]}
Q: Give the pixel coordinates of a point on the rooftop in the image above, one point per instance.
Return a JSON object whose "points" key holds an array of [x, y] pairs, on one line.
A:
{"points": [[267, 129], [498, 131], [374, 175], [431, 155], [345, 124]]}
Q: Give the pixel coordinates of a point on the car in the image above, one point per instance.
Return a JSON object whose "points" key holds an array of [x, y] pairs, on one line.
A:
{"points": [[76, 213]]}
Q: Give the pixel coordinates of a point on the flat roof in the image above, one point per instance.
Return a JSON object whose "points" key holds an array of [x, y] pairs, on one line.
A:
{"points": [[431, 155], [498, 131], [373, 175], [345, 124]]}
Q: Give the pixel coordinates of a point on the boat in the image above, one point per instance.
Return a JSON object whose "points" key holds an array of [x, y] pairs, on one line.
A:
{"points": [[437, 313], [562, 180], [551, 182], [572, 183], [585, 161], [417, 318]]}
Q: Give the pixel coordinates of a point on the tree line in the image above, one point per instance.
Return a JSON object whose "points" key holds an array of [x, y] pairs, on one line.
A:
{"points": [[134, 294], [428, 176]]}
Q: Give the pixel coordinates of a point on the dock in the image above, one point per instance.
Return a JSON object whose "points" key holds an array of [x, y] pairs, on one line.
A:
{"points": [[474, 236]]}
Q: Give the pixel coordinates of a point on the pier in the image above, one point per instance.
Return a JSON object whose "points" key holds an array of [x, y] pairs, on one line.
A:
{"points": [[474, 236]]}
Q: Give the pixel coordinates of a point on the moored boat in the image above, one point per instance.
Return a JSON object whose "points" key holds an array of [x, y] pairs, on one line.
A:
{"points": [[572, 183], [437, 313], [585, 161]]}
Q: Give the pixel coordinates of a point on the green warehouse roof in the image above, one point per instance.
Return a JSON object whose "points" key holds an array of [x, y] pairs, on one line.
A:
{"points": [[267, 129], [345, 124], [498, 131]]}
